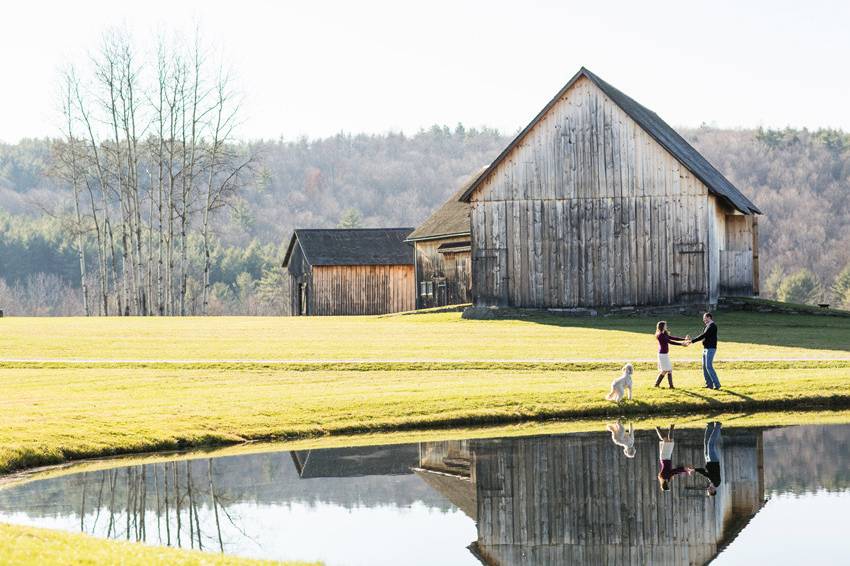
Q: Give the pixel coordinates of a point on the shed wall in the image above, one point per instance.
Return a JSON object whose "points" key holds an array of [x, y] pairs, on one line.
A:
{"points": [[362, 289]]}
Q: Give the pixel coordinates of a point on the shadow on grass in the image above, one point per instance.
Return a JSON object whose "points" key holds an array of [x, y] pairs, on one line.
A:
{"points": [[768, 329], [734, 394]]}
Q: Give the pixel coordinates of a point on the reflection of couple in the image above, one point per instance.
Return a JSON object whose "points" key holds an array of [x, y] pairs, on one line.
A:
{"points": [[709, 340], [711, 453]]}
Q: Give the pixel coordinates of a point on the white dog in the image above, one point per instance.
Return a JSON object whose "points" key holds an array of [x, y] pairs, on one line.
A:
{"points": [[624, 438], [619, 385]]}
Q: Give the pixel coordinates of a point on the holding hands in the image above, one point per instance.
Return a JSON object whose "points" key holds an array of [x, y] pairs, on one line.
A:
{"points": [[687, 341]]}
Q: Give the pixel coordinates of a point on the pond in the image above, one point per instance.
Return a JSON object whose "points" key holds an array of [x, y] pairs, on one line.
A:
{"points": [[782, 496]]}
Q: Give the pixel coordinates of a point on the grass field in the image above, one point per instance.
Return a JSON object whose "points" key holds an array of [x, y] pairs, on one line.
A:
{"points": [[128, 395], [443, 336]]}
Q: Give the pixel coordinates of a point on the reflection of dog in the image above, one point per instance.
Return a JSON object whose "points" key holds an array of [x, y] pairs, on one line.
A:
{"points": [[619, 385], [622, 437]]}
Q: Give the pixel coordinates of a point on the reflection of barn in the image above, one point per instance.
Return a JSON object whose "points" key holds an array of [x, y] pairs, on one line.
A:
{"points": [[388, 460], [345, 272], [577, 499], [443, 261]]}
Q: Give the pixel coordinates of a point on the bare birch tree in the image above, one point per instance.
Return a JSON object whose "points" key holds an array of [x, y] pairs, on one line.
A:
{"points": [[157, 158]]}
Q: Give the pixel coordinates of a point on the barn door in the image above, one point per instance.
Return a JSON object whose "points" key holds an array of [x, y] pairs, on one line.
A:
{"points": [[489, 277], [441, 298], [689, 277]]}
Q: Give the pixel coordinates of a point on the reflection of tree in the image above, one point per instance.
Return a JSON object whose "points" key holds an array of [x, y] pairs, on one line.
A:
{"points": [[214, 497], [187, 507]]}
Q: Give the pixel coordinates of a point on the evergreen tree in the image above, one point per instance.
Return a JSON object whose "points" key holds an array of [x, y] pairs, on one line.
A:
{"points": [[800, 287], [841, 287], [350, 219]]}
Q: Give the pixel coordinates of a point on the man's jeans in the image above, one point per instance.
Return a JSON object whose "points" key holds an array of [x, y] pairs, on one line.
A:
{"points": [[712, 435], [708, 368]]}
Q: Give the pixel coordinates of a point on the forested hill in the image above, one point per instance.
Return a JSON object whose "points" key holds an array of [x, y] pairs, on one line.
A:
{"points": [[800, 179]]}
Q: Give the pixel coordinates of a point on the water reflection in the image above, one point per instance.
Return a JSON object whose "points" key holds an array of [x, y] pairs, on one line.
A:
{"points": [[571, 499], [577, 498]]}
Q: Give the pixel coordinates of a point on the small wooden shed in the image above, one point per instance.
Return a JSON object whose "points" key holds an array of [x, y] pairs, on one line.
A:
{"points": [[442, 254], [599, 203], [350, 271]]}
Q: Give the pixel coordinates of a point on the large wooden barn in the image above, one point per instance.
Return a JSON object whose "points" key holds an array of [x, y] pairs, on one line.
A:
{"points": [[442, 254], [350, 271], [598, 202]]}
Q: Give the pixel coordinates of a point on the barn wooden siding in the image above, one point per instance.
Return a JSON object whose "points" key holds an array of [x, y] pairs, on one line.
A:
{"points": [[579, 500], [737, 253], [449, 273], [589, 210], [361, 289]]}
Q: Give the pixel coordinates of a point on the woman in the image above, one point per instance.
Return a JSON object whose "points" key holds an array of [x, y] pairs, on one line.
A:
{"points": [[665, 366], [665, 457]]}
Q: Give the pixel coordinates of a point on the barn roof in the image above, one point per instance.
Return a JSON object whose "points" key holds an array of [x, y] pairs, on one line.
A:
{"points": [[355, 246], [655, 127], [451, 219]]}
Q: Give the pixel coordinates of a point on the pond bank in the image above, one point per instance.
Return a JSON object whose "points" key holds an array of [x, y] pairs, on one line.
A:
{"points": [[20, 544], [99, 412]]}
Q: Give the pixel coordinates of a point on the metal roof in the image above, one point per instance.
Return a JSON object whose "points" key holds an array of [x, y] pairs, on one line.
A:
{"points": [[353, 246], [657, 128]]}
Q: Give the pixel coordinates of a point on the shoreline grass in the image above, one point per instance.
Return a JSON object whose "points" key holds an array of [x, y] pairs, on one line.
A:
{"points": [[414, 435], [52, 416], [29, 545]]}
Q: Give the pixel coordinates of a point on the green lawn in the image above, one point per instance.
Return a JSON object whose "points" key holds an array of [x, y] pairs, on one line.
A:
{"points": [[419, 337]]}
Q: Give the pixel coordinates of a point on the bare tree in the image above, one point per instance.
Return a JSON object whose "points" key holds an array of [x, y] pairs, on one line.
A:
{"points": [[174, 117]]}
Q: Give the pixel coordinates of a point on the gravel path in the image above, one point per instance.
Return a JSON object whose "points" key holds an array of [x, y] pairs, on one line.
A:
{"points": [[85, 361]]}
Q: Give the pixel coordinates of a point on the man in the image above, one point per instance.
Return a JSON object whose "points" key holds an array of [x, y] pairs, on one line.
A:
{"points": [[709, 343], [712, 458]]}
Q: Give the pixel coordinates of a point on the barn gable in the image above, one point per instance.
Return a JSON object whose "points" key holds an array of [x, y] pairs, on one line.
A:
{"points": [[651, 124], [599, 203]]}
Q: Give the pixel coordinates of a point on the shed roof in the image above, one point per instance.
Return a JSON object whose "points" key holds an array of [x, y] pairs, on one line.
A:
{"points": [[353, 246], [390, 460], [451, 219], [655, 127]]}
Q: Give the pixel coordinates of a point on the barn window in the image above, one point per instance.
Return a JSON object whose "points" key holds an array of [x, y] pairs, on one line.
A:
{"points": [[426, 289]]}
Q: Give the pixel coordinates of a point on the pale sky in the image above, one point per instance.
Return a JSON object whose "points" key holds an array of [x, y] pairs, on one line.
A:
{"points": [[316, 68]]}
